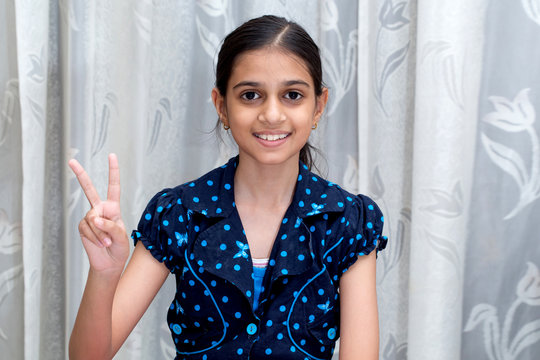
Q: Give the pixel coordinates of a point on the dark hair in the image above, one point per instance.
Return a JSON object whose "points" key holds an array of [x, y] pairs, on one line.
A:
{"points": [[264, 31]]}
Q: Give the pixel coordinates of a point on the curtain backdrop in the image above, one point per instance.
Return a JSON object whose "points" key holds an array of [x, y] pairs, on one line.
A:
{"points": [[433, 113]]}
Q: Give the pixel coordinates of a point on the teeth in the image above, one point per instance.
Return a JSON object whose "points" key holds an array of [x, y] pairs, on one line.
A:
{"points": [[271, 137]]}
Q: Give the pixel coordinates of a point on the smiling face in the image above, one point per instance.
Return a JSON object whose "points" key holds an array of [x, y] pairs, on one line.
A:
{"points": [[270, 106]]}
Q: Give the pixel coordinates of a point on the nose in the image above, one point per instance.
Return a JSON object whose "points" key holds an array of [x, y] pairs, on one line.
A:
{"points": [[272, 111]]}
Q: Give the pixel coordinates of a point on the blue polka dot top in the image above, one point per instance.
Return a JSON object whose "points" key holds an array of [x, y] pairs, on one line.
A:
{"points": [[195, 230]]}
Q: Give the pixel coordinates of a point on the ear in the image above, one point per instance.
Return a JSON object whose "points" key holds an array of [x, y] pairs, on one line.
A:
{"points": [[220, 105], [320, 105]]}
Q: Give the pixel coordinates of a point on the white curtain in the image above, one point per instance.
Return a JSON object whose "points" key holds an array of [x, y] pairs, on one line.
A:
{"points": [[432, 113]]}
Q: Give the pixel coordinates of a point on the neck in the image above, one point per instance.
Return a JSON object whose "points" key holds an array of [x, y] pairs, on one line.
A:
{"points": [[265, 185]]}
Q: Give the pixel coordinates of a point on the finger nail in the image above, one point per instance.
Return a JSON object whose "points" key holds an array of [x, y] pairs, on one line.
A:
{"points": [[107, 242]]}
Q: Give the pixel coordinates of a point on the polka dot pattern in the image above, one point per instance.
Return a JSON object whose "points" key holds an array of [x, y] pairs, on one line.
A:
{"points": [[195, 230]]}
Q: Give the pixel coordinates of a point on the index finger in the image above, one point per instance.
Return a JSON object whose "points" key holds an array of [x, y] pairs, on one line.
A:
{"points": [[85, 182], [113, 193]]}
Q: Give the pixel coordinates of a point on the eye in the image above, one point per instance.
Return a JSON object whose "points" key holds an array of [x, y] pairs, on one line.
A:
{"points": [[293, 95], [250, 95]]}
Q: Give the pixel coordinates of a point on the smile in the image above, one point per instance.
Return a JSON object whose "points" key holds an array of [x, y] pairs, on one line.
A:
{"points": [[271, 137]]}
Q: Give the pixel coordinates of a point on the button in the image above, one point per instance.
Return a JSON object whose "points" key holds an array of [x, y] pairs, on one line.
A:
{"points": [[332, 333], [251, 329]]}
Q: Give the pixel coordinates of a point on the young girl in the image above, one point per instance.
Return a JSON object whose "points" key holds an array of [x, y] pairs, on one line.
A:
{"points": [[270, 260]]}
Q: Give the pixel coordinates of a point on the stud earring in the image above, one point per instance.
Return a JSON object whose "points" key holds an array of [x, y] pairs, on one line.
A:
{"points": [[314, 126], [226, 127]]}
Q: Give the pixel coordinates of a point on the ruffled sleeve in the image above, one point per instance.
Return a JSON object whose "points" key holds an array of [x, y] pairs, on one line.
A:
{"points": [[163, 229], [364, 233]]}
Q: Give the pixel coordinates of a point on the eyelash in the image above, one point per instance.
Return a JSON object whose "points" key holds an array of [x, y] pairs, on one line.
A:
{"points": [[287, 95]]}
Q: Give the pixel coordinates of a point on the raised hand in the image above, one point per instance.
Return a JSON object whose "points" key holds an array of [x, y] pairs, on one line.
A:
{"points": [[102, 230]]}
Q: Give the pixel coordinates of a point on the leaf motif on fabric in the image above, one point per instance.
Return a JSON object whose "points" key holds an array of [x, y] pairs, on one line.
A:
{"points": [[9, 109], [392, 63], [213, 8], [329, 15], [37, 71], [446, 66], [512, 116], [391, 15], [37, 111], [525, 337], [9, 279], [101, 122], [532, 9], [209, 40], [516, 116], [446, 204], [447, 249], [155, 123], [143, 24], [10, 235], [393, 350], [340, 70], [528, 288], [507, 159]]}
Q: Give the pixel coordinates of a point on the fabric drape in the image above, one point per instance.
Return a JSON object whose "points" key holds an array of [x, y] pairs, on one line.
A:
{"points": [[432, 112]]}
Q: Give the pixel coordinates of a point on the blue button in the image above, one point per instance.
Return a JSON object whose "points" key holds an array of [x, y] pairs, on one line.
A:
{"points": [[251, 329], [332, 333]]}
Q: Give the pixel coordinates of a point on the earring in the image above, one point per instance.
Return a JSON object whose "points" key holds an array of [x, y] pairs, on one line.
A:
{"points": [[226, 127], [314, 126]]}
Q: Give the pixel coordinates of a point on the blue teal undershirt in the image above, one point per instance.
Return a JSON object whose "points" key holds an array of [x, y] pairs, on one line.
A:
{"points": [[258, 275]]}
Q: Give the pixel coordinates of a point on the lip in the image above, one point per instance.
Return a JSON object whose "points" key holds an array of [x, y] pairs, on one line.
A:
{"points": [[270, 136]]}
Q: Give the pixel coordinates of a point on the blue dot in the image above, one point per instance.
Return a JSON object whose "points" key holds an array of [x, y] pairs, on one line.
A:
{"points": [[218, 211], [210, 182], [299, 177], [237, 267], [302, 238], [197, 307], [308, 191], [324, 196], [301, 203], [370, 207], [227, 227], [211, 319], [269, 323], [213, 283], [301, 257], [284, 220], [284, 271], [282, 308], [293, 349], [268, 351], [248, 293], [240, 351], [214, 198], [177, 329], [313, 178], [160, 209], [181, 218], [204, 243], [321, 292], [191, 184], [223, 247], [227, 186], [191, 283], [340, 204], [279, 336], [283, 237], [237, 315], [284, 253], [369, 225], [312, 228], [196, 199], [225, 299], [218, 266], [147, 216], [382, 218], [303, 342], [304, 299], [296, 326], [272, 262]]}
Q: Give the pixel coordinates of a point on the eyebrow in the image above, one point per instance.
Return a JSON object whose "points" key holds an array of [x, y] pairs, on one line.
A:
{"points": [[257, 84]]}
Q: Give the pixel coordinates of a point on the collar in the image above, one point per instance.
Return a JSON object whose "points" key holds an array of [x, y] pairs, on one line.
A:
{"points": [[313, 195]]}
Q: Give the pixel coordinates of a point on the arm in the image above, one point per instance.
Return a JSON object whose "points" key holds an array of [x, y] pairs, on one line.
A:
{"points": [[359, 317], [112, 302], [112, 305]]}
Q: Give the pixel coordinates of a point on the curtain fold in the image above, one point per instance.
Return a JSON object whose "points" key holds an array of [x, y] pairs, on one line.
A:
{"points": [[432, 112]]}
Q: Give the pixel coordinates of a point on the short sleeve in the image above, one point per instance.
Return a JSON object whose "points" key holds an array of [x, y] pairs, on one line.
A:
{"points": [[162, 228], [364, 233]]}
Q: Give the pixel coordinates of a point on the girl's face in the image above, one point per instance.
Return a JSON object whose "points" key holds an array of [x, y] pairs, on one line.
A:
{"points": [[270, 106]]}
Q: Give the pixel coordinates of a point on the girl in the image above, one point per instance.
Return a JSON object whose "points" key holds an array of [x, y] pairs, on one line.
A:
{"points": [[271, 261]]}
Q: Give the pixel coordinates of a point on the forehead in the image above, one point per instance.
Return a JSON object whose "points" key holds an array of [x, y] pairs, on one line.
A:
{"points": [[269, 64]]}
